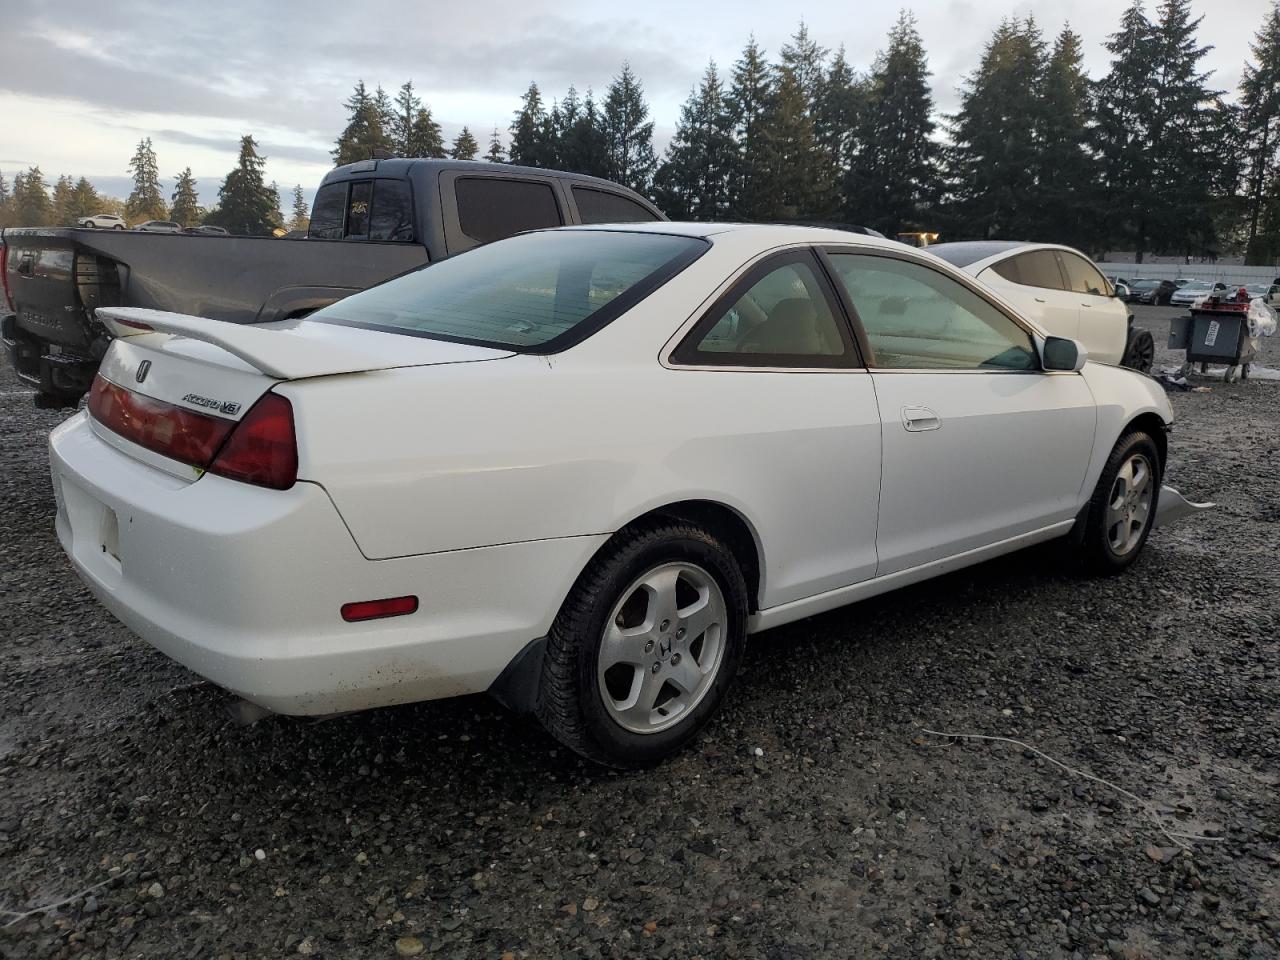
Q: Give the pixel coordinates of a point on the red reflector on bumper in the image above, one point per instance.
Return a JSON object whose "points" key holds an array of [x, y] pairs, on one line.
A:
{"points": [[374, 609]]}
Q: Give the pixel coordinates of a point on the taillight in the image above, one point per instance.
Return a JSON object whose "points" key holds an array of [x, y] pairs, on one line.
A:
{"points": [[262, 449], [4, 276], [171, 430]]}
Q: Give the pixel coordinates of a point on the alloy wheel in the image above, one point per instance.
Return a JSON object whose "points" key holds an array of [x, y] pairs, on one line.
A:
{"points": [[1129, 505]]}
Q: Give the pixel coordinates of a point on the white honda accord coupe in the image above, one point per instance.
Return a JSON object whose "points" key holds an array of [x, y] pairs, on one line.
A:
{"points": [[576, 468]]}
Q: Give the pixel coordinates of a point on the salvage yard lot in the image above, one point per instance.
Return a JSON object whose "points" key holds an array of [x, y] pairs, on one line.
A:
{"points": [[813, 819]]}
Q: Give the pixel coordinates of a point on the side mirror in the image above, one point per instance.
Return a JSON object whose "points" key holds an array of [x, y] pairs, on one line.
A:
{"points": [[1059, 353]]}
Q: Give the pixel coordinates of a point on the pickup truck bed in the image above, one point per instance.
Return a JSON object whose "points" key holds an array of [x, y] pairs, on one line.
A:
{"points": [[372, 220]]}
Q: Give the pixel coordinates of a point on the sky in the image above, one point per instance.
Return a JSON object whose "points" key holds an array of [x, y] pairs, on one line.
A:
{"points": [[81, 81]]}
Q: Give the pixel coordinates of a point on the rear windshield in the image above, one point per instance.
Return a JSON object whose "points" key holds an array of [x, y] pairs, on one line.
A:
{"points": [[536, 293]]}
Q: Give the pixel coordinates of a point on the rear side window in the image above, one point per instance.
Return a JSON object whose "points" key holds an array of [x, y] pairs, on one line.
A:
{"points": [[540, 292], [358, 210], [392, 217], [327, 211], [1083, 276], [601, 206], [778, 315], [1039, 268], [490, 208]]}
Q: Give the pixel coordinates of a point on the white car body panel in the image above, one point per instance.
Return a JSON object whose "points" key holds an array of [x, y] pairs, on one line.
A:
{"points": [[484, 488]]}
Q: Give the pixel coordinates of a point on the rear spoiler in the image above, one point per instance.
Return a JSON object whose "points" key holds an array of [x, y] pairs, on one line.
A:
{"points": [[280, 353]]}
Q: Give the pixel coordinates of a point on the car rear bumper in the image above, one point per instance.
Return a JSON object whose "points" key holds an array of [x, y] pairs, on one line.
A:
{"points": [[243, 585]]}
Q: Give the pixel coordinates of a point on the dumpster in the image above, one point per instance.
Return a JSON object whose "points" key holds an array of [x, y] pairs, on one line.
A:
{"points": [[1223, 328]]}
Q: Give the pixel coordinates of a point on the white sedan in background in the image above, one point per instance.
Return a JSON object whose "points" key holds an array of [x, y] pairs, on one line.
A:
{"points": [[577, 467], [1062, 290]]}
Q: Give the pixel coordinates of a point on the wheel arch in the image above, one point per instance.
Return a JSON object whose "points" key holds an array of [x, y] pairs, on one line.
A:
{"points": [[1152, 424]]}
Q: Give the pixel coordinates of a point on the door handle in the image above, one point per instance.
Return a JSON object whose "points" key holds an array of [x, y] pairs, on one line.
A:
{"points": [[1039, 299], [917, 419], [1087, 306]]}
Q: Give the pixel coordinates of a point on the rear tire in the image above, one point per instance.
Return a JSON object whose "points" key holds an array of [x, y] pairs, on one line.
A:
{"points": [[645, 646], [1140, 353], [1120, 514]]}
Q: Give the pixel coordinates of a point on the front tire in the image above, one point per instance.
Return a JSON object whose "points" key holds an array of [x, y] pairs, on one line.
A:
{"points": [[1123, 507], [644, 648]]}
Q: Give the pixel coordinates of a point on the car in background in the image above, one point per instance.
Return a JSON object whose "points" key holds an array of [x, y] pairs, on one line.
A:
{"points": [[299, 532], [103, 221], [158, 226], [1121, 286], [206, 230], [1189, 293], [1268, 293], [1183, 281], [1062, 290], [1152, 291]]}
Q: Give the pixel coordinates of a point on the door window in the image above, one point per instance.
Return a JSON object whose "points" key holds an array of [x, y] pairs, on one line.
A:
{"points": [[778, 315], [1083, 276], [916, 317], [601, 206], [392, 216], [490, 208]]}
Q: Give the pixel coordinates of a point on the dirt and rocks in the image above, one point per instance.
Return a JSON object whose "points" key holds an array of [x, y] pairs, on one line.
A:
{"points": [[814, 819]]}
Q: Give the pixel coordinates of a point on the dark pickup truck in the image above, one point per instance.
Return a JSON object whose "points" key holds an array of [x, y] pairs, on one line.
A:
{"points": [[371, 220]]}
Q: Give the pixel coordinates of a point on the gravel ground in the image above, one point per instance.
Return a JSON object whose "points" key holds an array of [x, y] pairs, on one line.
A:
{"points": [[814, 819]]}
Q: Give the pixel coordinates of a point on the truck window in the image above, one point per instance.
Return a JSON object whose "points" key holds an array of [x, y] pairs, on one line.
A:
{"points": [[601, 206], [358, 210], [327, 211], [490, 208], [392, 217]]}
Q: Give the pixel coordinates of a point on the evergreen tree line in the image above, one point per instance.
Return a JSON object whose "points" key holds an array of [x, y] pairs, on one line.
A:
{"points": [[247, 205], [1149, 157]]}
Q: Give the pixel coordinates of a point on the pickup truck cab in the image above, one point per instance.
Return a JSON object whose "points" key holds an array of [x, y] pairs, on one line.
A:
{"points": [[371, 220]]}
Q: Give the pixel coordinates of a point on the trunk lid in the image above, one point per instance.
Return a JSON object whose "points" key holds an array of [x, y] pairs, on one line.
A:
{"points": [[193, 365]]}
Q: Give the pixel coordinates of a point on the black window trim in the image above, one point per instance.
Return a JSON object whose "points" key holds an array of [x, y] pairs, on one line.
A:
{"points": [[960, 277], [588, 327], [686, 354], [1062, 253]]}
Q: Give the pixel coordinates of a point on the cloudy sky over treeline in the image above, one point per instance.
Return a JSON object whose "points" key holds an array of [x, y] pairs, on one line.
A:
{"points": [[81, 81]]}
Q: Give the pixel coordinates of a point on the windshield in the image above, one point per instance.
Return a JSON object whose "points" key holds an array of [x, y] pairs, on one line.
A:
{"points": [[537, 292], [1144, 284], [1198, 286]]}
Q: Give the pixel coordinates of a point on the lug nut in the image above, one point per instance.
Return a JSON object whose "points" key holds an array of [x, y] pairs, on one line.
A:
{"points": [[675, 658], [665, 625], [648, 646], [657, 665], [680, 634]]}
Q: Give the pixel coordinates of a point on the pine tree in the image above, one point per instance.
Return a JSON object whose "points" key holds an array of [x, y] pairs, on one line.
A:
{"points": [[407, 107], [425, 140], [85, 201], [1260, 139], [748, 100], [529, 144], [6, 204], [464, 146], [63, 202], [628, 133], [1065, 171], [494, 154], [694, 179], [146, 202], [31, 204], [186, 201], [582, 144], [301, 214], [994, 136], [842, 97], [893, 181], [806, 61], [364, 136], [799, 182], [246, 205]]}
